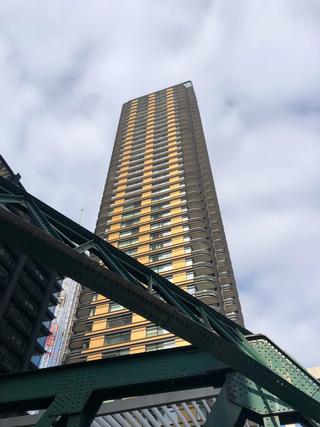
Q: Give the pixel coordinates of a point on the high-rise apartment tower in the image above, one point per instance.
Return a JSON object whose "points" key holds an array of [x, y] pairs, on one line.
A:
{"points": [[159, 206]]}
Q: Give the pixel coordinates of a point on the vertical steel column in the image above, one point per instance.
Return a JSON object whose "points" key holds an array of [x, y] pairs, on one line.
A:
{"points": [[224, 413]]}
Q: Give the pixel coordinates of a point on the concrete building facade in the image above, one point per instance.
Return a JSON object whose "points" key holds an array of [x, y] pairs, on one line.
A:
{"points": [[28, 298]]}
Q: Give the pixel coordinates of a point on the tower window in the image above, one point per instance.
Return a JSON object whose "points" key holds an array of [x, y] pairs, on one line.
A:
{"points": [[161, 268], [160, 256], [117, 338], [114, 306], [119, 320], [160, 245], [154, 330], [160, 345]]}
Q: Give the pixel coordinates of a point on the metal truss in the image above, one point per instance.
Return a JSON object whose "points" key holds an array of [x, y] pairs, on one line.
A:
{"points": [[266, 385], [147, 410]]}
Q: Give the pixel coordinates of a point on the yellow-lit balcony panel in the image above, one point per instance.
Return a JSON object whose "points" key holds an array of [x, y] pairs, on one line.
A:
{"points": [[121, 187], [144, 219], [176, 220], [146, 210], [138, 333], [144, 237], [149, 148], [101, 309], [173, 159], [148, 162], [174, 179], [177, 240], [173, 163], [99, 325], [137, 349], [137, 318], [116, 217], [123, 180], [95, 356], [175, 211], [174, 187], [181, 343], [173, 150], [177, 229], [178, 264], [147, 183], [171, 132], [143, 249], [175, 202], [96, 342], [174, 171], [181, 277], [173, 140], [146, 200], [171, 118], [178, 252], [120, 193], [143, 259], [115, 227], [171, 125], [113, 236], [147, 174], [144, 227], [150, 115], [124, 164], [125, 160], [175, 194], [123, 173], [118, 202], [147, 180]]}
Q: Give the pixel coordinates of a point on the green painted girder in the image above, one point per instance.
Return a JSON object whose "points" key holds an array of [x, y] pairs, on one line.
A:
{"points": [[241, 399], [129, 283], [125, 376], [59, 257], [115, 260]]}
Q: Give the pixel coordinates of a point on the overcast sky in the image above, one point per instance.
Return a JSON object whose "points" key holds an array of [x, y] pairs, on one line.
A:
{"points": [[68, 66]]}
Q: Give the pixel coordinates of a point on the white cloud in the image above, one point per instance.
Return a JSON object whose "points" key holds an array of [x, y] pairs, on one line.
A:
{"points": [[66, 69]]}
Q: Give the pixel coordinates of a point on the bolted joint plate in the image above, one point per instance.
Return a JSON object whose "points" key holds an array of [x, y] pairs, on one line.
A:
{"points": [[73, 394], [244, 392]]}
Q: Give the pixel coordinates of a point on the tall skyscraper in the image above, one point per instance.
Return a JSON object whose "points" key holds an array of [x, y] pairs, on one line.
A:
{"points": [[159, 206]]}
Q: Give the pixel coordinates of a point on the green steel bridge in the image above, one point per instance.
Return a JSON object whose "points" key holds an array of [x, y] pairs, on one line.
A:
{"points": [[256, 379]]}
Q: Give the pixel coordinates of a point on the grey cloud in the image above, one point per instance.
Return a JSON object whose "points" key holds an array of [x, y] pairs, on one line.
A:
{"points": [[66, 70]]}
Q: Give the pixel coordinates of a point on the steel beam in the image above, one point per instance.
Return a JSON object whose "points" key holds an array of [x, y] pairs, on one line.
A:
{"points": [[49, 251], [124, 376]]}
